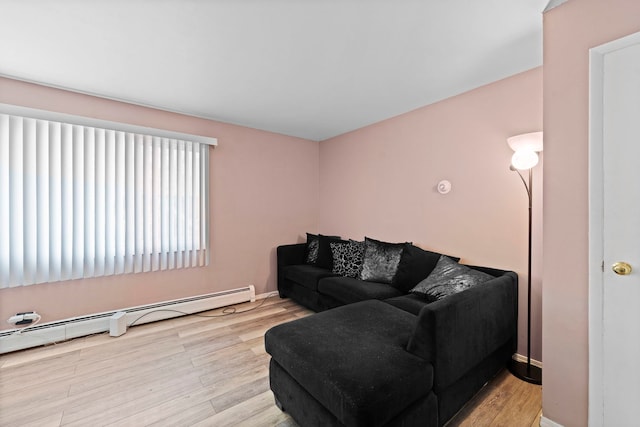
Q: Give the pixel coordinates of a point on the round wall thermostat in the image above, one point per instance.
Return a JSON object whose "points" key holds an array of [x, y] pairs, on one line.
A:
{"points": [[444, 186]]}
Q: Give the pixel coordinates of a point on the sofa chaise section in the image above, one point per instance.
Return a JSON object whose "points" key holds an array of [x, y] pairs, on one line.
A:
{"points": [[352, 361]]}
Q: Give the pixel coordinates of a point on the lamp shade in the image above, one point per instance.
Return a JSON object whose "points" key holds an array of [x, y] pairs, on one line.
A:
{"points": [[527, 141], [524, 159]]}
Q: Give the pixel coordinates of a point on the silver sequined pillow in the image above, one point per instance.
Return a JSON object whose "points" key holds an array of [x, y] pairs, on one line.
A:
{"points": [[448, 278], [313, 244], [381, 260], [347, 258]]}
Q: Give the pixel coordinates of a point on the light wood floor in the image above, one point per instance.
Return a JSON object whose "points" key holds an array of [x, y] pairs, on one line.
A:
{"points": [[189, 371]]}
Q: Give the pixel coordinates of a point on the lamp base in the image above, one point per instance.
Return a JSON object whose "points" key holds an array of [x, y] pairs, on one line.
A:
{"points": [[526, 372]]}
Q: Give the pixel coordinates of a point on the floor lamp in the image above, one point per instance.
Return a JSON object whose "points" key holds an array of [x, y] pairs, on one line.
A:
{"points": [[526, 148]]}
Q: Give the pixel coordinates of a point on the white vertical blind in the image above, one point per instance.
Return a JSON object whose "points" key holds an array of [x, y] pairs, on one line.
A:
{"points": [[79, 201]]}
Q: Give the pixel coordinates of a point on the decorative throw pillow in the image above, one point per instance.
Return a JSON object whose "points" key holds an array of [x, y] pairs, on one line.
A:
{"points": [[347, 258], [325, 258], [415, 265], [314, 251], [381, 260], [448, 278], [312, 248]]}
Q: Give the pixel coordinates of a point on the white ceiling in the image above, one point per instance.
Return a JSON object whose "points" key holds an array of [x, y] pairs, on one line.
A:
{"points": [[308, 68]]}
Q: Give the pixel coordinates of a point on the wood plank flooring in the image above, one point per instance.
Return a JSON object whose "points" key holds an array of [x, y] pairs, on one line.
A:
{"points": [[190, 371]]}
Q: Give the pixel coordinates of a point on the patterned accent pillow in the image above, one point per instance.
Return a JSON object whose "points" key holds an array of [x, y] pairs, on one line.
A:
{"points": [[381, 260], [347, 258], [313, 244], [318, 252], [448, 278]]}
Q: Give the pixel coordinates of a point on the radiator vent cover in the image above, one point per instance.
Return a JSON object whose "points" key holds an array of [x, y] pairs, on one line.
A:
{"points": [[54, 332]]}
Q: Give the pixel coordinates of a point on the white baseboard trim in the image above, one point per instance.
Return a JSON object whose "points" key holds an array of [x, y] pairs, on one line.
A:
{"points": [[267, 295], [62, 330], [520, 358], [546, 422]]}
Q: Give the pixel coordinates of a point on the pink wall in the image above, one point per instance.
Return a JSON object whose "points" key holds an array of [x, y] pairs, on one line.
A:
{"points": [[255, 177], [570, 30], [380, 181]]}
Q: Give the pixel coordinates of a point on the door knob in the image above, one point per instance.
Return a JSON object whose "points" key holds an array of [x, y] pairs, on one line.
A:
{"points": [[621, 268]]}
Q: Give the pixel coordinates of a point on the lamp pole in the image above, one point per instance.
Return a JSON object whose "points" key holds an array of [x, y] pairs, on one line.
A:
{"points": [[527, 372]]}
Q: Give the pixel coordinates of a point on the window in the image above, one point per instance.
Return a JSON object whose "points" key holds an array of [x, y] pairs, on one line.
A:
{"points": [[80, 201]]}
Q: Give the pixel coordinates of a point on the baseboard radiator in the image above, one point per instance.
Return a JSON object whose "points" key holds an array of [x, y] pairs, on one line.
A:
{"points": [[54, 332]]}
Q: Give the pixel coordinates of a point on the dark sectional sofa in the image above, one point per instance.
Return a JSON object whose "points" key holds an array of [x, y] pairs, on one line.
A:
{"points": [[377, 354]]}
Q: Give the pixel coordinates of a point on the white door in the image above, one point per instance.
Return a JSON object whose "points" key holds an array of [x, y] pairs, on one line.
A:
{"points": [[614, 398]]}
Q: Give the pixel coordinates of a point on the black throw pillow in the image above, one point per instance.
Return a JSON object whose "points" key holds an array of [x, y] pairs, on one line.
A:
{"points": [[415, 265], [448, 278], [381, 260], [325, 257], [312, 250]]}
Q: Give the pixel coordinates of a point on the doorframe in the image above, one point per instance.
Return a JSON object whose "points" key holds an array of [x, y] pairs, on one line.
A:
{"points": [[596, 223]]}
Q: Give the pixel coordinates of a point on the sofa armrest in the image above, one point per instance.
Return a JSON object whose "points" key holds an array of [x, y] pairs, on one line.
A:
{"points": [[291, 254], [459, 331], [294, 254]]}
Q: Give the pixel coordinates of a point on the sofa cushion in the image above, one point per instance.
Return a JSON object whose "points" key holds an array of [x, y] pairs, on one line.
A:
{"points": [[381, 260], [415, 265], [353, 361], [307, 411], [305, 275], [411, 303], [348, 290], [448, 278], [347, 257]]}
